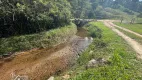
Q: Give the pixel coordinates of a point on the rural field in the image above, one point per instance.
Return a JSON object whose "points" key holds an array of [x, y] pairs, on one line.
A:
{"points": [[123, 62], [70, 39]]}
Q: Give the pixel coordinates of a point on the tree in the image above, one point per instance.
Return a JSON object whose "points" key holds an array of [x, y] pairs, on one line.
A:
{"points": [[80, 8], [140, 15], [140, 7], [84, 8], [31, 16]]}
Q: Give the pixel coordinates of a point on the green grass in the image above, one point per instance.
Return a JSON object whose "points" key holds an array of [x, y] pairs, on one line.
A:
{"points": [[139, 20], [109, 13], [131, 35], [123, 62], [40, 40], [134, 27]]}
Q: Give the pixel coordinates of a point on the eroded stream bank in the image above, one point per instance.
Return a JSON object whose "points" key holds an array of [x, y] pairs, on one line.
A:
{"points": [[39, 64]]}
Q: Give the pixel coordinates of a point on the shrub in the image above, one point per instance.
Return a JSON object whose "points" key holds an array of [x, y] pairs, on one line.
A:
{"points": [[94, 31], [99, 43]]}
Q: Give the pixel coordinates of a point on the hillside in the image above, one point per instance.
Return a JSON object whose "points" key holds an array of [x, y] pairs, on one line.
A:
{"points": [[70, 40]]}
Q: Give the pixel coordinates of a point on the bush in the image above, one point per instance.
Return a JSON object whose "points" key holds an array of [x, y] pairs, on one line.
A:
{"points": [[94, 31], [99, 43]]}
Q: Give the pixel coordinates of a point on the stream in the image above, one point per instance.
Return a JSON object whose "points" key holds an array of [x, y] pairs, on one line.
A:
{"points": [[40, 64]]}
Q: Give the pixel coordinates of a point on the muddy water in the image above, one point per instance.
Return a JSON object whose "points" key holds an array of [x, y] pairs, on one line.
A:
{"points": [[39, 64], [82, 32]]}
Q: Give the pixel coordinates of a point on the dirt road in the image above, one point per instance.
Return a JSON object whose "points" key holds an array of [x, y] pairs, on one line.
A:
{"points": [[127, 30], [134, 44]]}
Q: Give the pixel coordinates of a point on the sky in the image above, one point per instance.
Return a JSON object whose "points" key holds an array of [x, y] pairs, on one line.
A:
{"points": [[139, 0]]}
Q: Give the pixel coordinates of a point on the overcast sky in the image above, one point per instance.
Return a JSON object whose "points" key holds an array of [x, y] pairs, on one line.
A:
{"points": [[139, 0]]}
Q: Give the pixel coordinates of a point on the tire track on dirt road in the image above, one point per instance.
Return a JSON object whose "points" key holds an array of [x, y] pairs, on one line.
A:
{"points": [[134, 44], [127, 30]]}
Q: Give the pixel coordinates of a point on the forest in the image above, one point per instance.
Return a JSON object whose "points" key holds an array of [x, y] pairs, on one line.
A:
{"points": [[18, 17]]}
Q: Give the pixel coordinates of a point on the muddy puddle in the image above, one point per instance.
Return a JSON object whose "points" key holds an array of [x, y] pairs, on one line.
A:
{"points": [[82, 32], [40, 64]]}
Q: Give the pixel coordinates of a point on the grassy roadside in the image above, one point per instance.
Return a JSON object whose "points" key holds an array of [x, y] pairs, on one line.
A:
{"points": [[134, 27], [131, 35], [40, 40], [123, 63]]}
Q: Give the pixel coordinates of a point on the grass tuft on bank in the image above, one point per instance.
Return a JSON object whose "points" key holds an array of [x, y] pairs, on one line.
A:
{"points": [[39, 40]]}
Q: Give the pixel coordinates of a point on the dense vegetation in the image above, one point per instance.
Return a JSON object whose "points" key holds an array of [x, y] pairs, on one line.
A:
{"points": [[134, 5], [96, 8], [31, 16]]}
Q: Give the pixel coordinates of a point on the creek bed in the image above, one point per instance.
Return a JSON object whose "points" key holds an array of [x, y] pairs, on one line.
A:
{"points": [[40, 64]]}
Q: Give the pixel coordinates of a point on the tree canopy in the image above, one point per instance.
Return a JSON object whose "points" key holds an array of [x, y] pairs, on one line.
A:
{"points": [[31, 16]]}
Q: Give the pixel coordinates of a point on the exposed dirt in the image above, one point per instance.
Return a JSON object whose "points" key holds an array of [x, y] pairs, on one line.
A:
{"points": [[137, 34], [39, 64], [134, 44]]}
